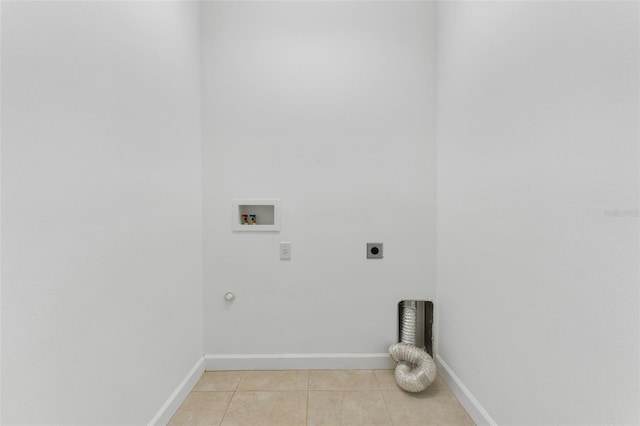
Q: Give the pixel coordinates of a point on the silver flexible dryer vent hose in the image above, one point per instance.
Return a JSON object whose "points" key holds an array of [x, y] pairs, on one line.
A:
{"points": [[416, 369], [408, 328]]}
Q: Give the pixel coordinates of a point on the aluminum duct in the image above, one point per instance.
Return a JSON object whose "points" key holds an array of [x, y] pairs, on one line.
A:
{"points": [[415, 370]]}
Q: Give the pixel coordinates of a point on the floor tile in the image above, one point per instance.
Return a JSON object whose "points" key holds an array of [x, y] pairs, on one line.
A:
{"points": [[386, 379], [347, 408], [218, 381], [270, 408], [342, 380], [434, 406], [274, 380], [439, 383], [337, 397], [202, 408], [454, 414]]}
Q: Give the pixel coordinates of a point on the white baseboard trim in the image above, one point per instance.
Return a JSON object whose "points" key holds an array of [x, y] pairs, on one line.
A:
{"points": [[178, 396], [477, 412], [348, 361]]}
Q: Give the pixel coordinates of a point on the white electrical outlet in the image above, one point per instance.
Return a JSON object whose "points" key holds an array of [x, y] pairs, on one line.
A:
{"points": [[285, 251]]}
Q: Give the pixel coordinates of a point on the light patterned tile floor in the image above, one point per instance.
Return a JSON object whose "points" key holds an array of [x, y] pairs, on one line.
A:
{"points": [[314, 398]]}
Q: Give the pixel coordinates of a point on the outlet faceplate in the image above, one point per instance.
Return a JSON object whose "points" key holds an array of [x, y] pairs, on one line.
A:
{"points": [[374, 251], [285, 251]]}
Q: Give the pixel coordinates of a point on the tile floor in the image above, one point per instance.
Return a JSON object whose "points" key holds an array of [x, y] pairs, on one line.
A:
{"points": [[315, 397]]}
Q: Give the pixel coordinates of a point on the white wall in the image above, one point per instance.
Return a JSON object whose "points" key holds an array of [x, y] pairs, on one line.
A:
{"points": [[537, 137], [330, 107], [101, 209]]}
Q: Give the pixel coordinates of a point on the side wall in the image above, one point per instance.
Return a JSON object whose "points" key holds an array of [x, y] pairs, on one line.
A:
{"points": [[101, 209], [537, 208], [330, 107]]}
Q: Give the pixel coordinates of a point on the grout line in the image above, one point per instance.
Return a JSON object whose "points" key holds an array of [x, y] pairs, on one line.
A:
{"points": [[384, 401], [226, 410], [239, 381], [306, 418], [377, 381]]}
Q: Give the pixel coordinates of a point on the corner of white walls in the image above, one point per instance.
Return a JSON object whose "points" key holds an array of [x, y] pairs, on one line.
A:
{"points": [[178, 396], [477, 412]]}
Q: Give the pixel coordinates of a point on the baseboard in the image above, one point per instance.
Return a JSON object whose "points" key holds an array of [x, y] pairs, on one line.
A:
{"points": [[477, 412], [348, 361], [171, 405]]}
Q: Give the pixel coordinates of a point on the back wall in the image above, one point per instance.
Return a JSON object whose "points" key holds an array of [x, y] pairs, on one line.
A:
{"points": [[329, 107]]}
